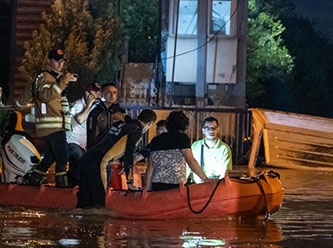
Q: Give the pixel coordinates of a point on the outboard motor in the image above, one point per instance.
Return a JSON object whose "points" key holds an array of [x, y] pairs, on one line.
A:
{"points": [[18, 153]]}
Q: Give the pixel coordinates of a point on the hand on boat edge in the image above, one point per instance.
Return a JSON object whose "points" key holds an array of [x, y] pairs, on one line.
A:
{"points": [[211, 180]]}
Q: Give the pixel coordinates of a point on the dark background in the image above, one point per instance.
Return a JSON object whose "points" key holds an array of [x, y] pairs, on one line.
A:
{"points": [[320, 11]]}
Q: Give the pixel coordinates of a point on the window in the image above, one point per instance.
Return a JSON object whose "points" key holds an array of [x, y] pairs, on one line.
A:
{"points": [[220, 17], [188, 16]]}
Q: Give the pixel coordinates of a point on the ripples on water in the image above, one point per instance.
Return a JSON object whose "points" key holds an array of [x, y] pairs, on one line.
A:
{"points": [[305, 220], [306, 216]]}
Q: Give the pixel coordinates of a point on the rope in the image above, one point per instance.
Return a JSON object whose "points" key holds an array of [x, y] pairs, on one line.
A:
{"points": [[255, 179], [207, 203], [273, 174]]}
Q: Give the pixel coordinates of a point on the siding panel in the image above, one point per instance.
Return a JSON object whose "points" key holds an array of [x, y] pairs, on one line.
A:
{"points": [[28, 18]]}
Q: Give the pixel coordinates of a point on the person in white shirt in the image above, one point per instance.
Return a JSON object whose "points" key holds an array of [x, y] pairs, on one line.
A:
{"points": [[213, 155], [77, 138]]}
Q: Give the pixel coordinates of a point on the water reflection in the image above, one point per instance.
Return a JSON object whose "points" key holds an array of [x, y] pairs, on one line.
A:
{"points": [[94, 228], [305, 219], [178, 233]]}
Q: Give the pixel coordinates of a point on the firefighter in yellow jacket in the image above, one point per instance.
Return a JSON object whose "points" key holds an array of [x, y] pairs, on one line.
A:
{"points": [[50, 112]]}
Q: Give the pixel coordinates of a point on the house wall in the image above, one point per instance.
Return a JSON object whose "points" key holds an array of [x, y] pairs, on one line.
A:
{"points": [[213, 65], [221, 60], [26, 18]]}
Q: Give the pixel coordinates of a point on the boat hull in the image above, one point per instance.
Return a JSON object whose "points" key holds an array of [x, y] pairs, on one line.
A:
{"points": [[34, 196], [233, 197], [250, 196]]}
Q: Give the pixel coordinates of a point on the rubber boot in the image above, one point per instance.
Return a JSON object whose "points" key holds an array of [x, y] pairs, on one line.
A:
{"points": [[61, 180], [35, 178]]}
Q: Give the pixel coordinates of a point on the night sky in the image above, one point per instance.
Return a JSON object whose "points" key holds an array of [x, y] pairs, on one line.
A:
{"points": [[320, 11]]}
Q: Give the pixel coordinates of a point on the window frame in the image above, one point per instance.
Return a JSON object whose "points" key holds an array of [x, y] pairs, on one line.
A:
{"points": [[174, 16], [230, 19]]}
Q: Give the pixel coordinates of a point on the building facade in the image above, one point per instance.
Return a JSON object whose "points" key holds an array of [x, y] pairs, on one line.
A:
{"points": [[204, 52]]}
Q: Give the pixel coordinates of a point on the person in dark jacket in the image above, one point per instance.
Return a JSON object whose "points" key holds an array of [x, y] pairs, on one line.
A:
{"points": [[103, 115], [92, 189]]}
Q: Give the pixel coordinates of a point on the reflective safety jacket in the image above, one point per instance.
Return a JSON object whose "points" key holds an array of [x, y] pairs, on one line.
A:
{"points": [[48, 103]]}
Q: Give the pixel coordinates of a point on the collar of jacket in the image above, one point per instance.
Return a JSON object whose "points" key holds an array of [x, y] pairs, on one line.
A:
{"points": [[56, 75]]}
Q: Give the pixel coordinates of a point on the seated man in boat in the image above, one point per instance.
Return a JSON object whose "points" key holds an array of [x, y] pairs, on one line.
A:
{"points": [[169, 153], [119, 143], [77, 137], [103, 115], [213, 155]]}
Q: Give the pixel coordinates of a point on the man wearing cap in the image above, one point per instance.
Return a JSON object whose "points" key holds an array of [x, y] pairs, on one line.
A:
{"points": [[77, 138], [50, 118]]}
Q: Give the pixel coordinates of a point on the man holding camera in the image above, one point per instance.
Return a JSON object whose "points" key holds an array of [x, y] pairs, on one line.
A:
{"points": [[50, 103]]}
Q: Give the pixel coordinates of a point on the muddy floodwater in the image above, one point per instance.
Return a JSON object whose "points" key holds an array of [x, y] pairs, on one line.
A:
{"points": [[304, 220]]}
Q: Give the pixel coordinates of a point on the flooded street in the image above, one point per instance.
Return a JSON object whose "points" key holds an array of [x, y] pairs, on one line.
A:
{"points": [[304, 220]]}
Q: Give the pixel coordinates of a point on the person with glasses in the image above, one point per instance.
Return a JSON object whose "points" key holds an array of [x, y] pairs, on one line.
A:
{"points": [[213, 155]]}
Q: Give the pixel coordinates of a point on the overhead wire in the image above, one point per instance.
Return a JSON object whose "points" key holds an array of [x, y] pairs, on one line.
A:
{"points": [[209, 40]]}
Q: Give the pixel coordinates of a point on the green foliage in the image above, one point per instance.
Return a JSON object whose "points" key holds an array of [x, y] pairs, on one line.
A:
{"points": [[306, 86], [91, 44], [312, 82], [268, 59], [141, 21]]}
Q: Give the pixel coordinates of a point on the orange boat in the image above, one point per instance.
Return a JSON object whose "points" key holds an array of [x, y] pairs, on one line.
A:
{"points": [[241, 196]]}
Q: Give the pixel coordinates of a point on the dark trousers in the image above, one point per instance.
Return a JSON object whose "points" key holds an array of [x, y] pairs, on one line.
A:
{"points": [[56, 150], [92, 192], [75, 152]]}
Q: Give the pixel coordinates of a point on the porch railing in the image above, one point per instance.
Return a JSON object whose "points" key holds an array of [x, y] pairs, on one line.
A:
{"points": [[235, 126]]}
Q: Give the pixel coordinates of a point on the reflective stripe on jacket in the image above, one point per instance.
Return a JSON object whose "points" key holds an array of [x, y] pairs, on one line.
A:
{"points": [[48, 110]]}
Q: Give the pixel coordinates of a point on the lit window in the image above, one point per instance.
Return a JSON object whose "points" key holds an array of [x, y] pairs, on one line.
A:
{"points": [[220, 17], [188, 16]]}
